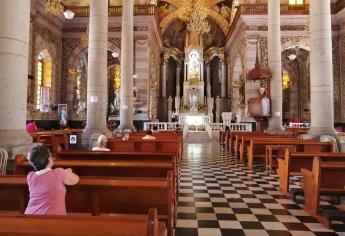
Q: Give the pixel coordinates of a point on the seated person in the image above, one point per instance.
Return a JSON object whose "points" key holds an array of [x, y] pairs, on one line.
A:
{"points": [[31, 127], [46, 185], [177, 128], [154, 129], [149, 135], [102, 144]]}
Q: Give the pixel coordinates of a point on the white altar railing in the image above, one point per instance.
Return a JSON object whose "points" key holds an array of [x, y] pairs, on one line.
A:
{"points": [[162, 126], [247, 127], [208, 129], [299, 125]]}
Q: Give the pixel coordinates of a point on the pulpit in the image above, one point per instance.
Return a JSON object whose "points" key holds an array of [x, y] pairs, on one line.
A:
{"points": [[259, 109]]}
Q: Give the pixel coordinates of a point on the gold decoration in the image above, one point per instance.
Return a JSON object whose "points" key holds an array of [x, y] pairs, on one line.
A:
{"points": [[85, 37], [194, 13], [194, 81], [54, 7]]}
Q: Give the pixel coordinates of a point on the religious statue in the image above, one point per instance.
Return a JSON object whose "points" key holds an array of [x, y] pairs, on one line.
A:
{"points": [[193, 99], [210, 104], [265, 106], [194, 65]]}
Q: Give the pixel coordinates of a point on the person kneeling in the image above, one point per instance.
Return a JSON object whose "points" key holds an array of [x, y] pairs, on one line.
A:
{"points": [[47, 186]]}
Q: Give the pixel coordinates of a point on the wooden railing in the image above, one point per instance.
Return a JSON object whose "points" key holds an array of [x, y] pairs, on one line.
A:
{"points": [[139, 10]]}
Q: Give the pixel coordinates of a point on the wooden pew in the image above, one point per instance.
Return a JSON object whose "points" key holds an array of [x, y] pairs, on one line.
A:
{"points": [[244, 142], [231, 140], [293, 162], [54, 138], [101, 195], [108, 168], [117, 225], [104, 168], [158, 145], [138, 156], [257, 147], [327, 177]]}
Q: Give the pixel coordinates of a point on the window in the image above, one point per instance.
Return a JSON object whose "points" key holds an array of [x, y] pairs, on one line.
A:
{"points": [[296, 2], [43, 85], [39, 81]]}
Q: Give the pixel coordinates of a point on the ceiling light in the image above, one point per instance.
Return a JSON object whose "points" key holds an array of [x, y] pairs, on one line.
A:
{"points": [[115, 54], [69, 14], [292, 57]]}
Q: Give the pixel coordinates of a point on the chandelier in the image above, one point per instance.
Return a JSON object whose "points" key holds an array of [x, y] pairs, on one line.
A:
{"points": [[194, 13], [54, 7]]}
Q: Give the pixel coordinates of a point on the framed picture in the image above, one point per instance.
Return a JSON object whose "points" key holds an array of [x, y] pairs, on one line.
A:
{"points": [[73, 139], [62, 115]]}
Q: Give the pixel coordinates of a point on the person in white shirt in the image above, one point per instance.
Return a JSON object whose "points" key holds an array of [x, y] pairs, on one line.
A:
{"points": [[102, 143]]}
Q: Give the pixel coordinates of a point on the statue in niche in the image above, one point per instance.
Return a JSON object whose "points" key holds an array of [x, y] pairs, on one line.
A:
{"points": [[193, 99], [194, 65]]}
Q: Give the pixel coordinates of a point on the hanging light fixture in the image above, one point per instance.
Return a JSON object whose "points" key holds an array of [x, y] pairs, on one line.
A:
{"points": [[292, 57], [69, 14], [194, 13], [54, 7]]}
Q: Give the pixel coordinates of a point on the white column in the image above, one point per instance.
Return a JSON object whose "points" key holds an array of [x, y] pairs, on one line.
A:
{"points": [[208, 78], [178, 73], [223, 89], [185, 71], [164, 79], [97, 87], [14, 52], [127, 36], [275, 65], [321, 68]]}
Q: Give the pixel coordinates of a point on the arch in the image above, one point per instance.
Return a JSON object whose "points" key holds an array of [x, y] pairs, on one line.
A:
{"points": [[215, 16], [82, 47]]}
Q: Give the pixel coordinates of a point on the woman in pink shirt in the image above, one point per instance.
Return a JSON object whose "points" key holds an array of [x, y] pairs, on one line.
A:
{"points": [[46, 185]]}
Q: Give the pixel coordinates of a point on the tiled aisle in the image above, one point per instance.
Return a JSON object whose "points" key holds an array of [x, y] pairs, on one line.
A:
{"points": [[219, 196]]}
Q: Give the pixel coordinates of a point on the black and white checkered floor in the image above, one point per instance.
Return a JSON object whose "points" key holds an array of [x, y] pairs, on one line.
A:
{"points": [[219, 196]]}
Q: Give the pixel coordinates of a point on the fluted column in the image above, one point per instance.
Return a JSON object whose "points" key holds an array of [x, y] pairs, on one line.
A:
{"points": [[275, 65], [164, 79], [223, 88], [321, 68], [14, 52], [208, 82], [178, 76], [127, 36], [97, 88]]}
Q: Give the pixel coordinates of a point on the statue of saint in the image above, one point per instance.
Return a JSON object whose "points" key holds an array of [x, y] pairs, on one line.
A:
{"points": [[265, 106], [193, 99]]}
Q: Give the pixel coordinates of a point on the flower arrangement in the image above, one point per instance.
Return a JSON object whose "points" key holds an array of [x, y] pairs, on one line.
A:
{"points": [[185, 108], [202, 107], [194, 81]]}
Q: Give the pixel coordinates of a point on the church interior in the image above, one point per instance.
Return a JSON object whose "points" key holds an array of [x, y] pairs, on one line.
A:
{"points": [[175, 117]]}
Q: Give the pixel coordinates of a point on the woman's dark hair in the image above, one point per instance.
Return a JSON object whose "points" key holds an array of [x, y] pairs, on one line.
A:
{"points": [[149, 132], [39, 157]]}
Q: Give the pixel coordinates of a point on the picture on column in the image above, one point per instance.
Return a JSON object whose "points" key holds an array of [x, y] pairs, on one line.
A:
{"points": [[62, 115]]}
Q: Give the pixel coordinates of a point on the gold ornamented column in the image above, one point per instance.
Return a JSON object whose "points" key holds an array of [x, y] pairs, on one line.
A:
{"points": [[14, 53]]}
